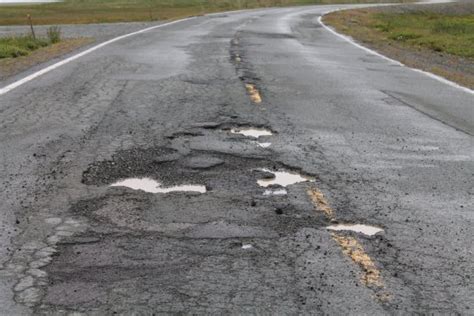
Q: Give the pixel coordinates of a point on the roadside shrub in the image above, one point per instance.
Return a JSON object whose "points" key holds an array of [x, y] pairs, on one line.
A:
{"points": [[16, 46], [9, 51], [30, 43], [54, 34]]}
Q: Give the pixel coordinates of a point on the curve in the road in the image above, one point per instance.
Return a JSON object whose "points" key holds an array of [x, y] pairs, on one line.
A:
{"points": [[396, 62], [43, 71]]}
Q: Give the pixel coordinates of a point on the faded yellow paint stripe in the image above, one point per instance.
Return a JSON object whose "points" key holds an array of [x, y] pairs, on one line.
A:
{"points": [[320, 203], [253, 92], [354, 250], [371, 276]]}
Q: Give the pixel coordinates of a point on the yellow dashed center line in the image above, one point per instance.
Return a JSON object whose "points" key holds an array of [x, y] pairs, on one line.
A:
{"points": [[253, 92], [354, 250], [319, 201], [371, 276]]}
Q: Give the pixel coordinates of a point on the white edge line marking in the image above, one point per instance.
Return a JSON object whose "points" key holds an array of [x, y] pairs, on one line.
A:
{"points": [[429, 74], [43, 71]]}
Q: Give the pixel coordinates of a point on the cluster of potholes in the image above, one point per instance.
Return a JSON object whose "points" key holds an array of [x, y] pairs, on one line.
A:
{"points": [[169, 166], [274, 178], [281, 178], [157, 170]]}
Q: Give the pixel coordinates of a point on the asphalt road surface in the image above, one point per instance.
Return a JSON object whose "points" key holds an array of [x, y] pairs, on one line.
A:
{"points": [[371, 142]]}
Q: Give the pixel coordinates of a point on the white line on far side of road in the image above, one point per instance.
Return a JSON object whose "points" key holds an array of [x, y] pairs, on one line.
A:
{"points": [[429, 74], [43, 71]]}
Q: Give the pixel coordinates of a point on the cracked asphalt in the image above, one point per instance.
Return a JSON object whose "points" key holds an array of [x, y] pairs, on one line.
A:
{"points": [[387, 147]]}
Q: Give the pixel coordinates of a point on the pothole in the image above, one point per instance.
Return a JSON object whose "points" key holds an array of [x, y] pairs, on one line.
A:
{"points": [[264, 145], [152, 186], [208, 169], [252, 131], [358, 228], [275, 192], [283, 178], [232, 178]]}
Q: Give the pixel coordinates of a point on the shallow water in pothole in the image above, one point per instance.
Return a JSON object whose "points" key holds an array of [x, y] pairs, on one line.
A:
{"points": [[153, 186], [275, 192], [264, 145], [283, 178], [358, 228], [251, 131]]}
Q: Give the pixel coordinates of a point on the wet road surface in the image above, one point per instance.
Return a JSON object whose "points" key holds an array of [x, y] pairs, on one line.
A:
{"points": [[248, 162]]}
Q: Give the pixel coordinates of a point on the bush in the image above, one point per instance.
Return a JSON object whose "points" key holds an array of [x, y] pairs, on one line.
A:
{"points": [[7, 51], [16, 46], [54, 34], [31, 44]]}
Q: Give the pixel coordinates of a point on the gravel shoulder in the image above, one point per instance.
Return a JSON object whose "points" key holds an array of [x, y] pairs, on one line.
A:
{"points": [[355, 24]]}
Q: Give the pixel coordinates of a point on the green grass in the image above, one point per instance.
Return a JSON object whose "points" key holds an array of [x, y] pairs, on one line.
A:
{"points": [[99, 11], [452, 34], [20, 45], [16, 46], [437, 38]]}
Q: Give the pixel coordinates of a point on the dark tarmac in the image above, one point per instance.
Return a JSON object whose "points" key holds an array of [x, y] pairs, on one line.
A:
{"points": [[371, 142]]}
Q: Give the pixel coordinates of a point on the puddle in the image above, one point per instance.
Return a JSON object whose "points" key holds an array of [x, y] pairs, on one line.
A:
{"points": [[264, 145], [283, 178], [358, 228], [247, 246], [275, 192], [152, 186], [252, 132]]}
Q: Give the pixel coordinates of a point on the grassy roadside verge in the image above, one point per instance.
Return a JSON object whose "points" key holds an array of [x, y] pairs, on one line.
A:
{"points": [[12, 66], [437, 38], [17, 46], [101, 11]]}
